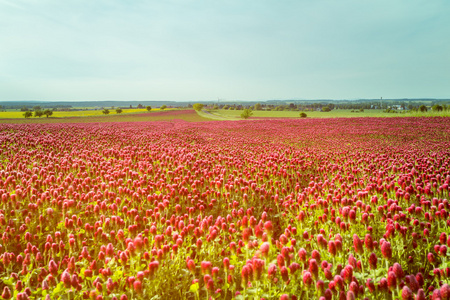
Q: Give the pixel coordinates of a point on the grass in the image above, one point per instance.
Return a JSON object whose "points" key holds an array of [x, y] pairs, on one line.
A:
{"points": [[213, 115], [430, 114], [153, 115], [340, 113]]}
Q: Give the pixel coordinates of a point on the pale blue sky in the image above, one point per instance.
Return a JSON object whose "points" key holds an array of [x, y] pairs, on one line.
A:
{"points": [[232, 49]]}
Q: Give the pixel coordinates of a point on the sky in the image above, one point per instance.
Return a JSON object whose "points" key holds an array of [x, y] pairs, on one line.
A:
{"points": [[228, 49]]}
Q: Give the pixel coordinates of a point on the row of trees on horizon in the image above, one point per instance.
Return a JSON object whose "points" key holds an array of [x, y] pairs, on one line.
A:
{"points": [[331, 106]]}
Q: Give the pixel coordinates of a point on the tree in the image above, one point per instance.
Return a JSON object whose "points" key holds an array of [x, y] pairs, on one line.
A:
{"points": [[326, 109], [303, 115], [28, 114], [24, 108], [437, 107], [247, 113], [140, 106], [149, 108], [198, 106], [38, 113], [37, 107], [225, 107], [423, 108], [163, 107], [119, 110], [48, 112], [105, 111]]}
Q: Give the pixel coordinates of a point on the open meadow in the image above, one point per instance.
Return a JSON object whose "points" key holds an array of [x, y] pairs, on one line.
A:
{"points": [[227, 114], [276, 209], [153, 115]]}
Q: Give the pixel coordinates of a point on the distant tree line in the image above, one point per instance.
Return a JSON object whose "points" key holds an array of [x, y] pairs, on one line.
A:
{"points": [[325, 107]]}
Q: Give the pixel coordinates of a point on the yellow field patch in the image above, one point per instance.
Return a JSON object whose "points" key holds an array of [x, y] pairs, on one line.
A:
{"points": [[79, 113]]}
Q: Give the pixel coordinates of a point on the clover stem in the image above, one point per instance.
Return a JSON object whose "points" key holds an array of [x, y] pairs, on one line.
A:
{"points": [[226, 285]]}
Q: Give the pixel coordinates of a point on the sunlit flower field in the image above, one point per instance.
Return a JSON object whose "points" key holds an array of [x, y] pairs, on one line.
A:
{"points": [[277, 209]]}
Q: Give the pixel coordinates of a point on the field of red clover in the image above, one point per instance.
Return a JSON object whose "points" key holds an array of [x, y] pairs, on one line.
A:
{"points": [[283, 209]]}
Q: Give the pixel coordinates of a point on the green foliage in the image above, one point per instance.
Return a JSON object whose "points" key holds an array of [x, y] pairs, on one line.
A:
{"points": [[28, 114], [225, 107], [303, 115], [326, 109], [247, 113], [119, 110], [38, 113], [423, 108], [105, 111], [437, 107], [258, 106], [149, 108], [163, 107], [48, 112], [198, 106]]}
